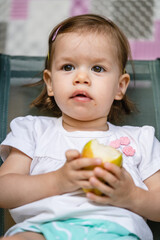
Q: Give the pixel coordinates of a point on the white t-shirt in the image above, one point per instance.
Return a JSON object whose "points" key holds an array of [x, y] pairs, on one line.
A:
{"points": [[45, 140]]}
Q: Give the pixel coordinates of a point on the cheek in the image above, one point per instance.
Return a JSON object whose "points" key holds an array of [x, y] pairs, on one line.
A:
{"points": [[106, 96], [60, 95], [106, 93], [58, 98]]}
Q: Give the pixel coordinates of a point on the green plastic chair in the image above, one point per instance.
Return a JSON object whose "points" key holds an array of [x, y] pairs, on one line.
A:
{"points": [[15, 71]]}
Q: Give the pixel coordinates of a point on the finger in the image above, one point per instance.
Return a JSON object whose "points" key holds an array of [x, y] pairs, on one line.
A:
{"points": [[84, 174], [114, 169], [98, 199], [101, 186], [86, 163], [72, 154], [107, 177], [85, 185]]}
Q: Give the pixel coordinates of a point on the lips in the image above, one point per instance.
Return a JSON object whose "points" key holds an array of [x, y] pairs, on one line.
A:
{"points": [[80, 95]]}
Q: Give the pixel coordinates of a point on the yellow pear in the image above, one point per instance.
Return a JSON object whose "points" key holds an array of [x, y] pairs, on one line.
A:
{"points": [[93, 149]]}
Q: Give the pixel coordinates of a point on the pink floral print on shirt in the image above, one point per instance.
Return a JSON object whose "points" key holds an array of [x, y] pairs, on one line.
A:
{"points": [[123, 141]]}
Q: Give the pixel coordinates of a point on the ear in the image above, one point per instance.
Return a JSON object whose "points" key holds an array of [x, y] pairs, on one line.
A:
{"points": [[48, 81], [122, 86]]}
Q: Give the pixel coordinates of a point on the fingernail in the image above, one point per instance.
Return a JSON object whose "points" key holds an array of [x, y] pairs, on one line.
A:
{"points": [[106, 164], [98, 161], [89, 195]]}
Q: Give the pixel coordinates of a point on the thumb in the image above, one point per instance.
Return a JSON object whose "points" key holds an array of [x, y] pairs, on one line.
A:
{"points": [[72, 154]]}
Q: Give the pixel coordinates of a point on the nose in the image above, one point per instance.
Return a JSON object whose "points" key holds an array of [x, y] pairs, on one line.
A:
{"points": [[82, 78]]}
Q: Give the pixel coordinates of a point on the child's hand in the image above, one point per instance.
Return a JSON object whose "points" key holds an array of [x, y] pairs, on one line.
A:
{"points": [[119, 188], [72, 175]]}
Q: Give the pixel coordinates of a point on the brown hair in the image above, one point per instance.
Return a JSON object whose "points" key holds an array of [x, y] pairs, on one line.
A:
{"points": [[89, 23]]}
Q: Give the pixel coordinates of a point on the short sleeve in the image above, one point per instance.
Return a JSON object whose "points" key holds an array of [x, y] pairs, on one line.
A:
{"points": [[21, 137], [150, 152]]}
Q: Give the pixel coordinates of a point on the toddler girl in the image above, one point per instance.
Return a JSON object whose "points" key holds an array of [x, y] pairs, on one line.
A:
{"points": [[43, 172]]}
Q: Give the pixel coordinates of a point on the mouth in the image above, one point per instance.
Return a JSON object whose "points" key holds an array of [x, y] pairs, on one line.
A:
{"points": [[81, 96]]}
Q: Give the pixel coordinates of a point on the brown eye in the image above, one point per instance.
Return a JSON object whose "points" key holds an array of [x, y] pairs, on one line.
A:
{"points": [[97, 69], [68, 67]]}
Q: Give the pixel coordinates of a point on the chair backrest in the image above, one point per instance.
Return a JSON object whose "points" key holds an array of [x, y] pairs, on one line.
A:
{"points": [[15, 71], [4, 96]]}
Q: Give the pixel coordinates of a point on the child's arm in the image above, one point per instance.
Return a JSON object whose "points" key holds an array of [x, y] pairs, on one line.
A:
{"points": [[19, 188], [122, 191]]}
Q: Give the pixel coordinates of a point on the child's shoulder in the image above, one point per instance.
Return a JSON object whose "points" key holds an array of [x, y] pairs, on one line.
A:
{"points": [[138, 128], [33, 118], [136, 131], [30, 120], [33, 123]]}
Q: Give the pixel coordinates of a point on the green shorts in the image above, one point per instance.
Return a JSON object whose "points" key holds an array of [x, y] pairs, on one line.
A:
{"points": [[80, 229]]}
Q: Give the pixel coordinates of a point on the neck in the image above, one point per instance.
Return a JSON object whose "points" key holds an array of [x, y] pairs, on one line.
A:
{"points": [[71, 124]]}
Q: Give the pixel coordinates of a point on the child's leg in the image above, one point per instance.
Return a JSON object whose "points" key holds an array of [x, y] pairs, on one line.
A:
{"points": [[25, 236]]}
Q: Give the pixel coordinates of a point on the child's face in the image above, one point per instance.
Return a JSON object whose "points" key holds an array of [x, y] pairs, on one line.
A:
{"points": [[85, 76]]}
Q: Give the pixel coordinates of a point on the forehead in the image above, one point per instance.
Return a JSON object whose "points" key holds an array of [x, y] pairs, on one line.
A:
{"points": [[83, 43]]}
